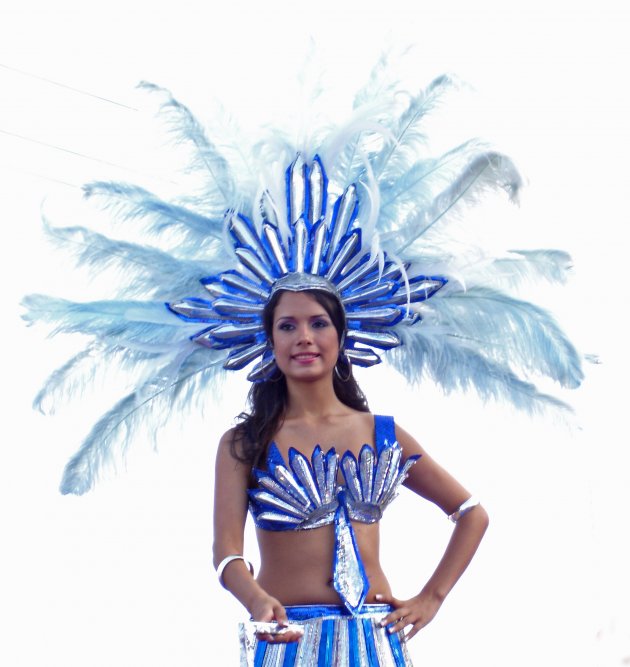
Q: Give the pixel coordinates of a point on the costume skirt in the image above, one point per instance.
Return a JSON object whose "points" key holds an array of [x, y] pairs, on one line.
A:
{"points": [[332, 638]]}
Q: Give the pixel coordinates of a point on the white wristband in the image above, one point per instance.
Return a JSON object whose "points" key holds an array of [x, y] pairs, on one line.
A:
{"points": [[226, 561], [464, 508]]}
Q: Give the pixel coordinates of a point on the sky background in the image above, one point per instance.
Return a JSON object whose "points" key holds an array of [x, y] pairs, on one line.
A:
{"points": [[123, 575]]}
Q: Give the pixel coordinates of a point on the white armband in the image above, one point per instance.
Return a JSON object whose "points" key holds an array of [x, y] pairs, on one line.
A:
{"points": [[464, 508], [226, 561]]}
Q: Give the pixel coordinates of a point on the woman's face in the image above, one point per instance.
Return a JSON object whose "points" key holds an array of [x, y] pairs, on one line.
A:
{"points": [[305, 341]]}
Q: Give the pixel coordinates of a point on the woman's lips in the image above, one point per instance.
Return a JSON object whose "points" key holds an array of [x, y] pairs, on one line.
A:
{"points": [[305, 358]]}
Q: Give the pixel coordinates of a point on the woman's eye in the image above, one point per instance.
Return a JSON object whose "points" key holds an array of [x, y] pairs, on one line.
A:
{"points": [[320, 324], [285, 326]]}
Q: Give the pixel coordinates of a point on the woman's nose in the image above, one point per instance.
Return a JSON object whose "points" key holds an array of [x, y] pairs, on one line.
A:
{"points": [[304, 334]]}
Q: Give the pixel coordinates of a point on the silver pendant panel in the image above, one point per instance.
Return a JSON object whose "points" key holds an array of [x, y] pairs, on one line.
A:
{"points": [[385, 340], [253, 262], [240, 357], [370, 294], [296, 177], [350, 247], [344, 213]]}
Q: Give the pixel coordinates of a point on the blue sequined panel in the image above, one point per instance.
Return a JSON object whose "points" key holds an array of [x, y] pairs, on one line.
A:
{"points": [[332, 637], [305, 494]]}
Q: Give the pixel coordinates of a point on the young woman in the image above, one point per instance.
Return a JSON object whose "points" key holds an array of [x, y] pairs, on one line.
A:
{"points": [[314, 400], [322, 254]]}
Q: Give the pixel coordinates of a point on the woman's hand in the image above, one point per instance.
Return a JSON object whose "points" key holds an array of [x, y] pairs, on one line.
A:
{"points": [[266, 608], [417, 612]]}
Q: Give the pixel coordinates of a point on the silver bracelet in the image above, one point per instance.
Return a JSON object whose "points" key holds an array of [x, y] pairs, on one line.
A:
{"points": [[226, 561], [464, 508]]}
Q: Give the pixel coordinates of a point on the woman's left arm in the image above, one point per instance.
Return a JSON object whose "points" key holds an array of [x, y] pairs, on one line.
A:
{"points": [[432, 482]]}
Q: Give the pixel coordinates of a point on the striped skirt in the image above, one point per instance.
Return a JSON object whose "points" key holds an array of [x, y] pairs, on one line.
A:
{"points": [[332, 638]]}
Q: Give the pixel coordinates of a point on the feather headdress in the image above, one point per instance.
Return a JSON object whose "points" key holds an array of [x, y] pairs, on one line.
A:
{"points": [[363, 208]]}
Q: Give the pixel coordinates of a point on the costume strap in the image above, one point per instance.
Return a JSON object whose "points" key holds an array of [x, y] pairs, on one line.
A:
{"points": [[384, 432]]}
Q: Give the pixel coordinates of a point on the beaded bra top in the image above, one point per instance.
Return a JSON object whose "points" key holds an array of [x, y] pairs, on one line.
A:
{"points": [[306, 494]]}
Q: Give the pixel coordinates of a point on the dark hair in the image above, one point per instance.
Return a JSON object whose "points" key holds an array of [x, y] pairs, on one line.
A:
{"points": [[268, 400]]}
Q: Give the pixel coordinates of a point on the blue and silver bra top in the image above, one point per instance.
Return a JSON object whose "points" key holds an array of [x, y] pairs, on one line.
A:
{"points": [[306, 494]]}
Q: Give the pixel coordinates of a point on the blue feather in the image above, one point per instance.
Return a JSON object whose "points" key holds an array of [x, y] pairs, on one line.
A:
{"points": [[408, 132], [512, 331], [550, 265], [147, 326], [144, 270], [131, 202], [454, 365], [205, 156], [111, 435], [487, 171], [67, 380]]}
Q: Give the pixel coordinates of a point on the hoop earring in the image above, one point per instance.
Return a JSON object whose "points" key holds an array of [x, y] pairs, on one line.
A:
{"points": [[272, 373], [343, 356], [274, 378]]}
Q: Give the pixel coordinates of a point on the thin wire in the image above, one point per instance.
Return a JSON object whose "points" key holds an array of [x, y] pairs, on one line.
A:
{"points": [[65, 150], [35, 174], [72, 88]]}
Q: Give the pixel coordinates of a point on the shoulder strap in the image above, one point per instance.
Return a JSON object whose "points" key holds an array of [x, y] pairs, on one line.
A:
{"points": [[384, 432]]}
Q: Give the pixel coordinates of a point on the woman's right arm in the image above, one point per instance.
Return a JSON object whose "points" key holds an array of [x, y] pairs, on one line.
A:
{"points": [[230, 513]]}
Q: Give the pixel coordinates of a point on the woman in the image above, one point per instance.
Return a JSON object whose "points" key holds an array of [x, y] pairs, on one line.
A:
{"points": [[315, 400], [345, 252]]}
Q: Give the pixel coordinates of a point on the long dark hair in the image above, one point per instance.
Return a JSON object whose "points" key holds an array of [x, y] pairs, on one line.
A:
{"points": [[268, 400]]}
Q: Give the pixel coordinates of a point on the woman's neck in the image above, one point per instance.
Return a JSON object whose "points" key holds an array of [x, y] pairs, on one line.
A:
{"points": [[311, 399]]}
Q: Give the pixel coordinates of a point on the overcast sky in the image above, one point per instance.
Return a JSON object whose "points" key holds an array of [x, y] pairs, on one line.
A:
{"points": [[123, 576]]}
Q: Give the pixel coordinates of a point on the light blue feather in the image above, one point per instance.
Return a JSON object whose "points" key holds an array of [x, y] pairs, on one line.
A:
{"points": [[454, 365], [205, 155], [110, 437], [510, 330], [142, 269], [67, 381], [550, 265], [131, 202], [380, 83], [146, 326], [489, 171], [408, 131]]}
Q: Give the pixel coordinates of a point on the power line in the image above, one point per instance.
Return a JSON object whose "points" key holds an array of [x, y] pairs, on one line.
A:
{"points": [[65, 150], [72, 88], [34, 174]]}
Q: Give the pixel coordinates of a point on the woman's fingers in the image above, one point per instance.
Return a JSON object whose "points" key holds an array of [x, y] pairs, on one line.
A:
{"points": [[279, 614], [284, 638], [396, 620], [396, 614]]}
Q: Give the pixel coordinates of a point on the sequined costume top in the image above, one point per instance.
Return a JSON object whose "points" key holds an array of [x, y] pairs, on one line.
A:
{"points": [[307, 494]]}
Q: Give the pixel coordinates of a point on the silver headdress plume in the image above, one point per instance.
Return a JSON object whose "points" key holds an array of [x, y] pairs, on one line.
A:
{"points": [[367, 219]]}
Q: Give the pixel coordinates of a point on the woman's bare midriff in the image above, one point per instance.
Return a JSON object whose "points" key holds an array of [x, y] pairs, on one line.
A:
{"points": [[297, 565]]}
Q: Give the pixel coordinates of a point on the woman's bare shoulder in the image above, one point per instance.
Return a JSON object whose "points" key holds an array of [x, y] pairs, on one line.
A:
{"points": [[231, 446], [228, 437]]}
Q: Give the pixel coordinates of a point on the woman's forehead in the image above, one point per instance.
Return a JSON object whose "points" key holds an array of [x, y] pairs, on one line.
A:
{"points": [[298, 303]]}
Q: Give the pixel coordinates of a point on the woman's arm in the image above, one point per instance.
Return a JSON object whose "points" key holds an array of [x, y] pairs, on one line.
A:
{"points": [[230, 513], [432, 482]]}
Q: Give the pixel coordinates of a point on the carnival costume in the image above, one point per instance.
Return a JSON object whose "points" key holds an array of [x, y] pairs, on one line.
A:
{"points": [[361, 213]]}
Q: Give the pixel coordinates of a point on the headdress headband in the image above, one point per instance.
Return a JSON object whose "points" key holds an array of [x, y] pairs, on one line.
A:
{"points": [[367, 221]]}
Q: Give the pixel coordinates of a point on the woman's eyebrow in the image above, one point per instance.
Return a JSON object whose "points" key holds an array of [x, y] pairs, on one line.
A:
{"points": [[310, 317]]}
